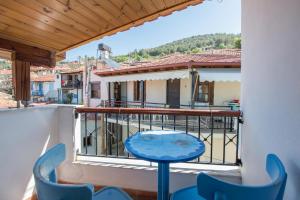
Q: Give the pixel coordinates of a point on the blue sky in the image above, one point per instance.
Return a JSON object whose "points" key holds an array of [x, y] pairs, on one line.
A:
{"points": [[212, 16]]}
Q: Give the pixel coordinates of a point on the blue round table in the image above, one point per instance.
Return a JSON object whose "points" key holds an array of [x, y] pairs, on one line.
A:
{"points": [[164, 147]]}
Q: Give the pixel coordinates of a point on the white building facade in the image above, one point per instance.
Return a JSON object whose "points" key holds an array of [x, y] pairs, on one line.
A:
{"points": [[178, 87]]}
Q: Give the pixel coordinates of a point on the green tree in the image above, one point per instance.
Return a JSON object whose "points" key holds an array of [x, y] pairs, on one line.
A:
{"points": [[238, 43], [194, 44]]}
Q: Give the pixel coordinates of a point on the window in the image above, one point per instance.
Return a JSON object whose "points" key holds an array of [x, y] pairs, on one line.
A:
{"points": [[87, 141], [139, 88], [95, 90], [205, 92]]}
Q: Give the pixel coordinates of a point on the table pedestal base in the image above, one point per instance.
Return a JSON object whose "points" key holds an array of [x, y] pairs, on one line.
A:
{"points": [[163, 181]]}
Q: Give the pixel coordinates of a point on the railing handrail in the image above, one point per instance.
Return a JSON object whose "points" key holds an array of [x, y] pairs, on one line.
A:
{"points": [[162, 111], [136, 103]]}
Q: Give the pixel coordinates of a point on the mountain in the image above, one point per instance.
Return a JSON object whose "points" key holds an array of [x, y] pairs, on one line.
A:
{"points": [[194, 44]]}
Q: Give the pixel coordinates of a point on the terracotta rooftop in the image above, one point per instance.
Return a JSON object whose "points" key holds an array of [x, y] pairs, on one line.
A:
{"points": [[56, 68], [74, 70], [44, 78], [176, 61], [5, 72]]}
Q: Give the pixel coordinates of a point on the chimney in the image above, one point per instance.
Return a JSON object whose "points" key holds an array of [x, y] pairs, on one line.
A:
{"points": [[104, 50]]}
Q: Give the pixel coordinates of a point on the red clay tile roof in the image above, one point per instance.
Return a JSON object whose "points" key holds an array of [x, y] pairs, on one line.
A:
{"points": [[74, 70], [44, 78], [5, 72], [56, 68], [176, 61]]}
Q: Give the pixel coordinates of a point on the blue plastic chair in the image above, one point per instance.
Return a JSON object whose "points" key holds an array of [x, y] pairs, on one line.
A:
{"points": [[47, 188], [211, 188]]}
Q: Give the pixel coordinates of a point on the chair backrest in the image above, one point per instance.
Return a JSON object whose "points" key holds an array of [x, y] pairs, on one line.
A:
{"points": [[277, 173], [215, 189], [46, 184]]}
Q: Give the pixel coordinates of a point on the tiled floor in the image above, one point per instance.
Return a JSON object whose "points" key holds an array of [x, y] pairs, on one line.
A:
{"points": [[136, 195]]}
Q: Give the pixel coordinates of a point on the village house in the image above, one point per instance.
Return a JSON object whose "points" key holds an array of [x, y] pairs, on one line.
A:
{"points": [[174, 81], [70, 86], [50, 86], [42, 88], [95, 90]]}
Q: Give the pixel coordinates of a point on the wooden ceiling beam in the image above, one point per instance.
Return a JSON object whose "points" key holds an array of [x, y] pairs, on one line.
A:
{"points": [[36, 56], [5, 54], [61, 25]]}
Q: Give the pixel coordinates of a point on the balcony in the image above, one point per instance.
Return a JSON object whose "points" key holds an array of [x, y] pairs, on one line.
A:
{"points": [[270, 103], [104, 130], [89, 159], [71, 84]]}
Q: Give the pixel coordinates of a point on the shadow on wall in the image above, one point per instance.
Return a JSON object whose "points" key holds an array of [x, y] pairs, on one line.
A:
{"points": [[25, 135], [295, 180], [29, 190]]}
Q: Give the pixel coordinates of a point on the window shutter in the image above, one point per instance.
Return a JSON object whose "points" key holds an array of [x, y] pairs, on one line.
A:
{"points": [[144, 92], [21, 80], [135, 88], [211, 88]]}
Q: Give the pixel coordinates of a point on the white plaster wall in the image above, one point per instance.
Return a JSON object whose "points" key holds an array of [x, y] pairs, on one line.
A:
{"points": [[57, 82], [95, 102], [25, 135], [226, 91], [50, 93], [104, 90], [130, 91], [270, 89], [185, 91], [156, 91]]}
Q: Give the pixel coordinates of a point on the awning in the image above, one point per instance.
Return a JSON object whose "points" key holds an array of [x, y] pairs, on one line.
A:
{"points": [[220, 74], [176, 74]]}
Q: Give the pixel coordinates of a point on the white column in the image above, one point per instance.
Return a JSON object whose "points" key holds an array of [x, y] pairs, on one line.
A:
{"points": [[271, 89]]}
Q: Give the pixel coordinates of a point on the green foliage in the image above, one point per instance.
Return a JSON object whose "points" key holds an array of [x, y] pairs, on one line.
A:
{"points": [[4, 64], [194, 44], [237, 43], [69, 98]]}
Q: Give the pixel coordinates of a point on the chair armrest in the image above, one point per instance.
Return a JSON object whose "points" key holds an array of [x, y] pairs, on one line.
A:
{"points": [[213, 188], [90, 186]]}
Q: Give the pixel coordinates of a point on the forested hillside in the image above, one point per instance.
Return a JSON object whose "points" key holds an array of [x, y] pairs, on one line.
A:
{"points": [[194, 44]]}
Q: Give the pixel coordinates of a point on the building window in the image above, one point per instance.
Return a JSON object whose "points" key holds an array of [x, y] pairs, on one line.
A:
{"points": [[205, 92], [139, 88], [87, 141], [95, 90]]}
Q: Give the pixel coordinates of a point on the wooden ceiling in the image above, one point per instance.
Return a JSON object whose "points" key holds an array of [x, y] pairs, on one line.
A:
{"points": [[60, 25]]}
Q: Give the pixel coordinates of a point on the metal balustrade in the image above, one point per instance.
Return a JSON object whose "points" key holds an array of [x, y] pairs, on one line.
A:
{"points": [[104, 130], [147, 104]]}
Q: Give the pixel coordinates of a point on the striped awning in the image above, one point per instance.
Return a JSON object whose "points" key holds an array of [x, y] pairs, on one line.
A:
{"points": [[176, 74], [219, 74]]}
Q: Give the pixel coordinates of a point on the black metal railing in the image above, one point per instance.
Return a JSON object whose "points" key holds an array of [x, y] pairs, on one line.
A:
{"points": [[71, 84], [104, 130], [147, 104]]}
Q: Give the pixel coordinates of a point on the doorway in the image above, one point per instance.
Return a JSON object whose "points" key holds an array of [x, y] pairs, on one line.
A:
{"points": [[173, 93]]}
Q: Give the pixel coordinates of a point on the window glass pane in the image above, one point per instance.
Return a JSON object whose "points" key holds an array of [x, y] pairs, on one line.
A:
{"points": [[203, 94], [95, 90]]}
